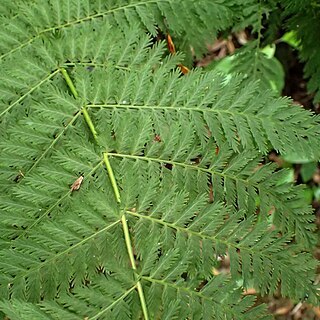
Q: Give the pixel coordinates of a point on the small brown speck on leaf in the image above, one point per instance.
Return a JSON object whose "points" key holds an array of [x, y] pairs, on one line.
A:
{"points": [[77, 184]]}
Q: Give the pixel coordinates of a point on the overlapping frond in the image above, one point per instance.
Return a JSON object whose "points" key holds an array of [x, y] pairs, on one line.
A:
{"points": [[251, 13], [43, 18], [255, 64]]}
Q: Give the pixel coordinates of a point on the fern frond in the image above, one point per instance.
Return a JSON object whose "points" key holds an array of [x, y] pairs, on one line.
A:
{"points": [[210, 292], [180, 17], [172, 221], [207, 229], [18, 309], [234, 178], [95, 310], [232, 115], [138, 238], [208, 103], [252, 62]]}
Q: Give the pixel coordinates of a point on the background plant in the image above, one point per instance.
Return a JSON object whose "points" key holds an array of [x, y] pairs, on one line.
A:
{"points": [[87, 91]]}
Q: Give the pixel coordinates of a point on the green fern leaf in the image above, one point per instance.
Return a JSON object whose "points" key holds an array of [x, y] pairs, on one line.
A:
{"points": [[107, 162]]}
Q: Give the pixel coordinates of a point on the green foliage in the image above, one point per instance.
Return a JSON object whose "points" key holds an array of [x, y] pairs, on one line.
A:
{"points": [[306, 25], [266, 20], [254, 64], [86, 91]]}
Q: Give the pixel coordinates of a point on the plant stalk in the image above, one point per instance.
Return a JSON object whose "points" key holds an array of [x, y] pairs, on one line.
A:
{"points": [[89, 123], [69, 82], [133, 265], [112, 177], [126, 235], [75, 94]]}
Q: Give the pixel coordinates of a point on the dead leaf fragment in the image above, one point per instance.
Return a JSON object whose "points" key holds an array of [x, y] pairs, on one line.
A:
{"points": [[183, 68], [19, 176], [249, 291], [170, 44], [281, 311], [157, 138], [77, 184], [172, 49]]}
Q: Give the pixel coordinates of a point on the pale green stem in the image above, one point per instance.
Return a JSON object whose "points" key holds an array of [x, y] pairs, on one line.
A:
{"points": [[112, 177], [126, 234], [128, 241], [75, 94], [89, 123], [116, 192], [69, 82], [133, 265]]}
